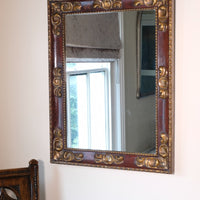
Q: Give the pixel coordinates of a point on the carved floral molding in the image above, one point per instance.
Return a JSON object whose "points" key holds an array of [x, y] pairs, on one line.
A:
{"points": [[62, 7], [57, 144], [109, 159], [107, 4], [160, 162], [69, 156], [58, 152], [56, 21], [163, 12], [57, 82], [66, 6], [163, 82]]}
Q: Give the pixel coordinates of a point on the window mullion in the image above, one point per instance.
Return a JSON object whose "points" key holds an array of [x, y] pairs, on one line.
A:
{"points": [[68, 114], [107, 122], [89, 111]]}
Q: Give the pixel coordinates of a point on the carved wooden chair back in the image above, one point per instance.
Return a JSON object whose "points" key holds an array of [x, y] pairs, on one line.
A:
{"points": [[21, 183]]}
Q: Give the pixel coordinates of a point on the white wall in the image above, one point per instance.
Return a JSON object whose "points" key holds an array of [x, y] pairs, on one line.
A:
{"points": [[24, 120]]}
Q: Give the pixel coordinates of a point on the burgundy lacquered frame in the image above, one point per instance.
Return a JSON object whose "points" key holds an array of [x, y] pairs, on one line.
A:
{"points": [[162, 161]]}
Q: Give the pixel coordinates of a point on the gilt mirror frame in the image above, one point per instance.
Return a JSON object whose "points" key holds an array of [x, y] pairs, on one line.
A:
{"points": [[162, 160]]}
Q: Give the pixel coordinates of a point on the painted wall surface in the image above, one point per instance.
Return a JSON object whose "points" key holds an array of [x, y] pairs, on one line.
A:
{"points": [[24, 113]]}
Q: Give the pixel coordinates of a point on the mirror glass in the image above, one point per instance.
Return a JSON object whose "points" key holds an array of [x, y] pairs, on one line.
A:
{"points": [[110, 76]]}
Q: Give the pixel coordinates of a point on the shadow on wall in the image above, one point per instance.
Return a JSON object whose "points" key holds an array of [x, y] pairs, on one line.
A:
{"points": [[53, 184], [41, 180]]}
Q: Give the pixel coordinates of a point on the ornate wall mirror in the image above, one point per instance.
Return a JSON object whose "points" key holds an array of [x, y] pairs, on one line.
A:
{"points": [[111, 83]]}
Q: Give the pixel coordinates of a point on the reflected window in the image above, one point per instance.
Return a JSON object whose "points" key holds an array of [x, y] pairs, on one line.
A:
{"points": [[146, 51], [148, 58], [88, 105]]}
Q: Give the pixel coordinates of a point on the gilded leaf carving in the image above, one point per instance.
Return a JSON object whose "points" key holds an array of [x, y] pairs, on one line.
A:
{"points": [[69, 156], [163, 149], [57, 132], [57, 143], [145, 2], [160, 162], [77, 6], [109, 159], [163, 17], [162, 11], [107, 4], [164, 138], [66, 6], [55, 7], [163, 82], [57, 82], [57, 155], [56, 21], [152, 162]]}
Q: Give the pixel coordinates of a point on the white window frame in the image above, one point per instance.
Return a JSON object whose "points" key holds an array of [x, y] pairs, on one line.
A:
{"points": [[107, 99]]}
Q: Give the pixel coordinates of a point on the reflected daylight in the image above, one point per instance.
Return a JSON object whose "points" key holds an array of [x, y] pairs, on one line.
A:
{"points": [[111, 76]]}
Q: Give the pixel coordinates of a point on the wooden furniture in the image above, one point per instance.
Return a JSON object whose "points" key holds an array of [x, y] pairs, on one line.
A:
{"points": [[20, 184]]}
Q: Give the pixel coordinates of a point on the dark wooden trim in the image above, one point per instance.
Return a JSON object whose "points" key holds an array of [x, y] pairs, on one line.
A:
{"points": [[27, 179]]}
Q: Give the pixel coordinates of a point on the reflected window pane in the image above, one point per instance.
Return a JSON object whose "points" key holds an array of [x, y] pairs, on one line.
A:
{"points": [[78, 111], [98, 111], [88, 106]]}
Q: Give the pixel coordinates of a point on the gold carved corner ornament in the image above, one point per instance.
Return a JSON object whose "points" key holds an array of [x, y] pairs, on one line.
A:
{"points": [[55, 7], [109, 159], [107, 4], [57, 81], [66, 6], [59, 7], [163, 12], [160, 162], [163, 82], [68, 156], [58, 149]]}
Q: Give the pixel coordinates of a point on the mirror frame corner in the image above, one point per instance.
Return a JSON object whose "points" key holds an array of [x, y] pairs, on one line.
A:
{"points": [[163, 160]]}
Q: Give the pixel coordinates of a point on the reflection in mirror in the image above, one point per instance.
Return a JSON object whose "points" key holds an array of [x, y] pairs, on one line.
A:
{"points": [[110, 73]]}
